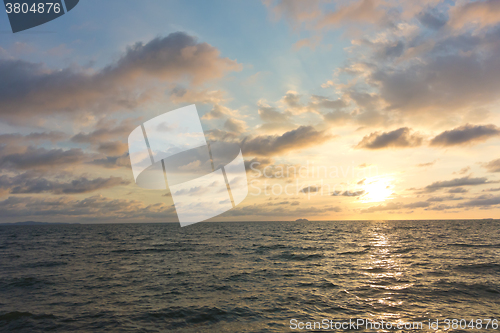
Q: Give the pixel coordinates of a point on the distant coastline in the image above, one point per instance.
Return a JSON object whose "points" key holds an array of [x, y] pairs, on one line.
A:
{"points": [[34, 223]]}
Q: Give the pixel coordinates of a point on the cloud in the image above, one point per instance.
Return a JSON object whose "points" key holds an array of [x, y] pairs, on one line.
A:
{"points": [[462, 171], [457, 182], [458, 190], [492, 166], [395, 206], [310, 189], [409, 56], [273, 119], [235, 125], [192, 95], [218, 111], [444, 198], [112, 148], [108, 138], [452, 74], [26, 86], [492, 190], [268, 145], [482, 201], [425, 165], [94, 208], [358, 12], [477, 13], [400, 138], [41, 158], [326, 103], [28, 183], [465, 135], [112, 162], [293, 103], [350, 193], [36, 137], [106, 131], [257, 164], [270, 114], [432, 20]]}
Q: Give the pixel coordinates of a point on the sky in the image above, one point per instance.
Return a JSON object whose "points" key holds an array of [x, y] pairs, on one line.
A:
{"points": [[344, 110]]}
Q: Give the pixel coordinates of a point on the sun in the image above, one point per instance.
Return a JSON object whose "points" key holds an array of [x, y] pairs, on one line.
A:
{"points": [[377, 189]]}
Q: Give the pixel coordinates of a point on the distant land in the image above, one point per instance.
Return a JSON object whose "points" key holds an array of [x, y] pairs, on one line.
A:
{"points": [[34, 223], [301, 220]]}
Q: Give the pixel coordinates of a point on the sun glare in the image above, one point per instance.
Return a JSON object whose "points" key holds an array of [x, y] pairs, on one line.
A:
{"points": [[377, 189]]}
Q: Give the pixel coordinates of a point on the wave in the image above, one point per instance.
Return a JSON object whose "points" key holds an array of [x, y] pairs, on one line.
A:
{"points": [[16, 315], [474, 245], [287, 255]]}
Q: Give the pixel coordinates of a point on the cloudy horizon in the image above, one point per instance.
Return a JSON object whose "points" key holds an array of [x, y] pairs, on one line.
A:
{"points": [[391, 108]]}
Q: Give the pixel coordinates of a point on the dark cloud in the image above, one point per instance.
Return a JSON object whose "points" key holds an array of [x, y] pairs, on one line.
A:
{"points": [[112, 162], [454, 74], [112, 148], [444, 198], [457, 182], [310, 189], [108, 138], [273, 119], [39, 158], [392, 50], [220, 135], [218, 111], [235, 125], [482, 201], [433, 60], [465, 135], [302, 137], [492, 190], [458, 190], [270, 114], [257, 164], [350, 193], [16, 138], [492, 166], [107, 131], [292, 101], [94, 208], [28, 183], [400, 138], [432, 20], [27, 87]]}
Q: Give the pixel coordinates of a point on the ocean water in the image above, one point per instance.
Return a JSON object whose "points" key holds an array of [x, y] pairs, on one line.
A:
{"points": [[245, 277]]}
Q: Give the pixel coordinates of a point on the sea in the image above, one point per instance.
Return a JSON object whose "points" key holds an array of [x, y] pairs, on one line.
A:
{"points": [[251, 277]]}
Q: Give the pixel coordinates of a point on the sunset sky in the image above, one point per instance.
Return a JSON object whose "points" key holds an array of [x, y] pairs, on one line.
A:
{"points": [[390, 107]]}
